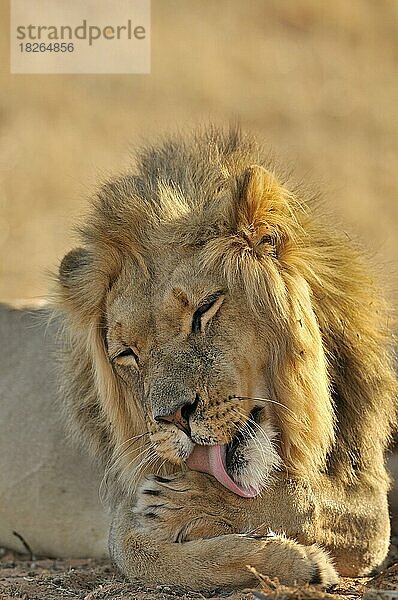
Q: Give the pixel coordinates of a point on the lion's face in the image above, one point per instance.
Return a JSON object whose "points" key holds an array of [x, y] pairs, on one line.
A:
{"points": [[192, 306], [195, 354]]}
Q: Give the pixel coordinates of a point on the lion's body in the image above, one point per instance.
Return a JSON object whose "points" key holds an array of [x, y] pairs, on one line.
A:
{"points": [[48, 489], [212, 319]]}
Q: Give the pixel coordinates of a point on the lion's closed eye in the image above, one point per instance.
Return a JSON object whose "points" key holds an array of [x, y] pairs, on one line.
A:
{"points": [[127, 358], [206, 311]]}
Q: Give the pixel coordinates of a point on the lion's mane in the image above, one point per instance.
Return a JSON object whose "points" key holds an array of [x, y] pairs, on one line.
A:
{"points": [[338, 383]]}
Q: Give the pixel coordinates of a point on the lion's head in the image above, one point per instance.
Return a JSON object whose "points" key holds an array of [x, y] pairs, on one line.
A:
{"points": [[212, 320]]}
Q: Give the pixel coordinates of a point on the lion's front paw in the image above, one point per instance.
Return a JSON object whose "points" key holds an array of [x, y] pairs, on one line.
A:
{"points": [[176, 508], [323, 570], [291, 562]]}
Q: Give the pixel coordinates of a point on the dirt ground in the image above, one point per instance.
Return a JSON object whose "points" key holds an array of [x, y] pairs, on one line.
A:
{"points": [[22, 578]]}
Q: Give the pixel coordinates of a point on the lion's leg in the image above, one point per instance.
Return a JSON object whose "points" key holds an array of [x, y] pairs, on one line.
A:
{"points": [[352, 525], [221, 561]]}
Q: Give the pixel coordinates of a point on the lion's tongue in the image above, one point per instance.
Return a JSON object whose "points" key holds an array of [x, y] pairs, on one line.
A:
{"points": [[211, 460]]}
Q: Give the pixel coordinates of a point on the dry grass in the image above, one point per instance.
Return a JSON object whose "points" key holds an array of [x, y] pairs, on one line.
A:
{"points": [[316, 79]]}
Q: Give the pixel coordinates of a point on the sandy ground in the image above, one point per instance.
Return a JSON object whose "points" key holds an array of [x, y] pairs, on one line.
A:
{"points": [[315, 79]]}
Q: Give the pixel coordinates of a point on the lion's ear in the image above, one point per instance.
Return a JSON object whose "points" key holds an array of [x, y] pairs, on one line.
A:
{"points": [[72, 265], [262, 207], [82, 284]]}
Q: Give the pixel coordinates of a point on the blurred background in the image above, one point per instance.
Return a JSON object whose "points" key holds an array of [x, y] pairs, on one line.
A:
{"points": [[315, 79]]}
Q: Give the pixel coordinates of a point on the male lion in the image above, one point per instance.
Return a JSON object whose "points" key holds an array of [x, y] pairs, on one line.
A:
{"points": [[211, 320]]}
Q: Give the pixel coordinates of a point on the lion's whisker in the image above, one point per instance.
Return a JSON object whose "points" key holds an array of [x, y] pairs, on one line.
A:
{"points": [[262, 400], [115, 457], [136, 469], [146, 462], [135, 437], [161, 466], [128, 451]]}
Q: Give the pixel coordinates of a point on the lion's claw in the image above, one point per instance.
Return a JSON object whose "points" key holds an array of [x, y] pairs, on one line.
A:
{"points": [[177, 508]]}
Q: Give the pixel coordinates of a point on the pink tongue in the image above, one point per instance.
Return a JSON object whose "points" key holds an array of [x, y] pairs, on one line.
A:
{"points": [[211, 460]]}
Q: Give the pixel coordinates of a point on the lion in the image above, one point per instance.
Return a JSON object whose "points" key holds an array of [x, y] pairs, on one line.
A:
{"points": [[227, 361]]}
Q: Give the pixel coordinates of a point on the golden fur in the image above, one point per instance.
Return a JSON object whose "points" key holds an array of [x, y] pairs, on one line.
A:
{"points": [[302, 325]]}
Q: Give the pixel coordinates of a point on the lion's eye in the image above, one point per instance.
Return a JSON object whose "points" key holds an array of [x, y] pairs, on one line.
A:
{"points": [[267, 239], [127, 358], [270, 241], [205, 312]]}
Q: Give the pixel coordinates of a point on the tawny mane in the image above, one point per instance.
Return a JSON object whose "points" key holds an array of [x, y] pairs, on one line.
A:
{"points": [[216, 191]]}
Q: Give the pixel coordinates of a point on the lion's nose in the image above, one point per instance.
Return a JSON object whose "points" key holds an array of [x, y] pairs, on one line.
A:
{"points": [[179, 418]]}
